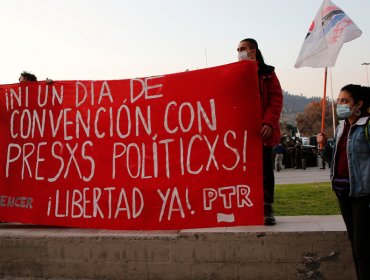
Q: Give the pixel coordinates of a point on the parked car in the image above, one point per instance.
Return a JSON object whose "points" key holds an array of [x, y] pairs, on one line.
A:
{"points": [[305, 140]]}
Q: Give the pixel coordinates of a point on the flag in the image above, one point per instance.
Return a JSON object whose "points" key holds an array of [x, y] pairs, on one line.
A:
{"points": [[330, 29]]}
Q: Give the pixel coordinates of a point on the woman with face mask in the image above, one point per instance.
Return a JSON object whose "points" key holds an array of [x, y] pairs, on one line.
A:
{"points": [[271, 96], [350, 170]]}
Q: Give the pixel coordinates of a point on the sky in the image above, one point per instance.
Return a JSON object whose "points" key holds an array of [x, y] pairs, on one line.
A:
{"points": [[119, 39]]}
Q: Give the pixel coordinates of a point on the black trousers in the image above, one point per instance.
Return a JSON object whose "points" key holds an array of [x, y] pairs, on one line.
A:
{"points": [[356, 216], [268, 175]]}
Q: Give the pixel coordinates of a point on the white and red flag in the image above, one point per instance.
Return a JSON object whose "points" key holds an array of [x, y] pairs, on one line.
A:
{"points": [[330, 29]]}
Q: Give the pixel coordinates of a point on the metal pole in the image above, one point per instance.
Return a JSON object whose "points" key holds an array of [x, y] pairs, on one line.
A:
{"points": [[205, 53], [332, 102], [323, 101], [323, 104]]}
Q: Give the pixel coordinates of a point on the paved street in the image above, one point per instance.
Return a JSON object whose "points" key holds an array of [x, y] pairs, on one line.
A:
{"points": [[299, 176]]}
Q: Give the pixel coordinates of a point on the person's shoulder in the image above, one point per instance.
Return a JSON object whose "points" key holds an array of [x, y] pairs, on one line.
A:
{"points": [[269, 68], [265, 69], [363, 121]]}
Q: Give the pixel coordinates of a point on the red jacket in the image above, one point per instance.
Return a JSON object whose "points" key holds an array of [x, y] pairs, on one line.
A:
{"points": [[271, 102]]}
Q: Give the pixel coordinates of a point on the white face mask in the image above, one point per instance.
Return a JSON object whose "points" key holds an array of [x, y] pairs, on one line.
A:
{"points": [[243, 56]]}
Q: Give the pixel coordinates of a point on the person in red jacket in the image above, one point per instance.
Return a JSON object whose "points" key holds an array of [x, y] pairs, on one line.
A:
{"points": [[271, 96]]}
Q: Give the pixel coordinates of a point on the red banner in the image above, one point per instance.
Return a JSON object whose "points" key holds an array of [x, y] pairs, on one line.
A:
{"points": [[166, 152]]}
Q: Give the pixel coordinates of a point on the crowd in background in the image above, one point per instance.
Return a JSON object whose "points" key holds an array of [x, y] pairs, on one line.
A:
{"points": [[298, 153]]}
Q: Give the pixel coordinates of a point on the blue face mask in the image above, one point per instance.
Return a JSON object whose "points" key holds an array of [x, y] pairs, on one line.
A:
{"points": [[343, 111]]}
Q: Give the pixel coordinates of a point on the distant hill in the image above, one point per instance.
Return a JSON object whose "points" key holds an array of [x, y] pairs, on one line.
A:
{"points": [[292, 105]]}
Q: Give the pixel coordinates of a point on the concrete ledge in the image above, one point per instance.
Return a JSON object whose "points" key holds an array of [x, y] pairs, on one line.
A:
{"points": [[306, 247]]}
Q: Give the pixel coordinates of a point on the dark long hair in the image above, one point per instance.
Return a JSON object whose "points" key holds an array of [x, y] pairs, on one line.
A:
{"points": [[28, 76], [359, 93]]}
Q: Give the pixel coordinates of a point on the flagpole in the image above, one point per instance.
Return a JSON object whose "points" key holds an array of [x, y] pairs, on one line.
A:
{"points": [[205, 54], [332, 101], [323, 103]]}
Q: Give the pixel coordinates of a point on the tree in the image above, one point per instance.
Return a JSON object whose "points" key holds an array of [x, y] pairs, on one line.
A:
{"points": [[309, 122]]}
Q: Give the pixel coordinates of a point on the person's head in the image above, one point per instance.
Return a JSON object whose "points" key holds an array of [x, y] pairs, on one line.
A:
{"points": [[27, 77], [353, 101], [248, 50], [321, 138]]}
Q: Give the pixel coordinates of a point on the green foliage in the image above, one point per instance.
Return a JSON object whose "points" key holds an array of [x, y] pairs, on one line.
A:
{"points": [[305, 199], [292, 105], [296, 103], [309, 121]]}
